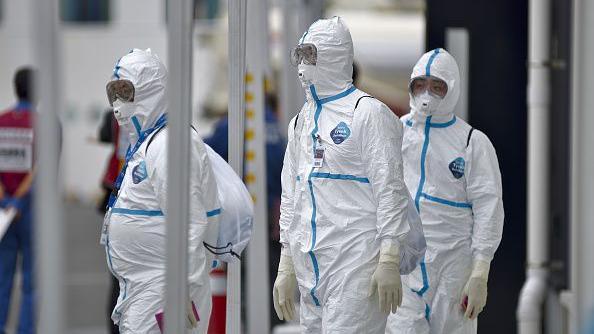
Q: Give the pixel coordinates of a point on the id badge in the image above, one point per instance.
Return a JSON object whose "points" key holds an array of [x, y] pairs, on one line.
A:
{"points": [[104, 228], [319, 155]]}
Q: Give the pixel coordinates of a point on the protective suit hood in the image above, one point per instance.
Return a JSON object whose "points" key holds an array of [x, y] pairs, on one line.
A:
{"points": [[438, 63], [333, 72], [149, 77]]}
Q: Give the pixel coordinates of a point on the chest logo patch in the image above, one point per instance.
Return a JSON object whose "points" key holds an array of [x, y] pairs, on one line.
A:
{"points": [[457, 167], [340, 133], [139, 173]]}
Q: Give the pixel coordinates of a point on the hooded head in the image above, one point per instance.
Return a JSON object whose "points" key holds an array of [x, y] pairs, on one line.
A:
{"points": [[333, 72], [149, 76], [440, 64]]}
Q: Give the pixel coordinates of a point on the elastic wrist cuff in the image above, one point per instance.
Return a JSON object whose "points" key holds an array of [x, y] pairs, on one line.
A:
{"points": [[389, 251], [286, 264], [480, 269]]}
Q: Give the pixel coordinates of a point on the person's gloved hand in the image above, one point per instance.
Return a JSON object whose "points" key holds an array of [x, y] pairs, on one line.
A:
{"points": [[283, 293], [12, 202], [5, 201], [16, 203], [386, 278], [474, 295]]}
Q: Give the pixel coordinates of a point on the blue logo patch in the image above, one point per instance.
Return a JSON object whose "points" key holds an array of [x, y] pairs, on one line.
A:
{"points": [[340, 133], [457, 167], [139, 173]]}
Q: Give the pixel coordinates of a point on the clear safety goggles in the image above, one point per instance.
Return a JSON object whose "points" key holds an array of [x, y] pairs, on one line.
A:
{"points": [[433, 85], [304, 53], [120, 89]]}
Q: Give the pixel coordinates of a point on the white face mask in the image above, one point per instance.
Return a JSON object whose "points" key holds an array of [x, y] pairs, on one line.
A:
{"points": [[123, 111], [426, 103], [306, 74]]}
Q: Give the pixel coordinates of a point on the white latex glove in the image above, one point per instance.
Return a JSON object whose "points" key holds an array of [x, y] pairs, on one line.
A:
{"points": [[386, 278], [474, 295], [283, 293]]}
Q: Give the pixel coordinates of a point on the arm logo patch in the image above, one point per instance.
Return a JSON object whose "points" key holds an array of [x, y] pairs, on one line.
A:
{"points": [[139, 173]]}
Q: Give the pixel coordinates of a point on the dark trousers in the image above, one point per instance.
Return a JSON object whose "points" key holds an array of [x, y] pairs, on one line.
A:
{"points": [[18, 239]]}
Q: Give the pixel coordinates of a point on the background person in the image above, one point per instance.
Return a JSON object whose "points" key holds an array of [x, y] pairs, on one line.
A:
{"points": [[15, 191], [109, 133], [452, 173]]}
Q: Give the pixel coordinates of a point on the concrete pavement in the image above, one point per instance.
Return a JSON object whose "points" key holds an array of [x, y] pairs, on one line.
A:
{"points": [[87, 277]]}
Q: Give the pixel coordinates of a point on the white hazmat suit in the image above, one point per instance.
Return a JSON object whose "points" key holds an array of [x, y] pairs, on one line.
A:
{"points": [[453, 175], [134, 228], [343, 196]]}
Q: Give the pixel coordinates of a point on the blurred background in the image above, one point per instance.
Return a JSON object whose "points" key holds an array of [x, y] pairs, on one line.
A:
{"points": [[490, 40]]}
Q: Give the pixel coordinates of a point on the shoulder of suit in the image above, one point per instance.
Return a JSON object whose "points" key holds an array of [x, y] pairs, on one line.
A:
{"points": [[367, 102], [156, 142], [479, 137]]}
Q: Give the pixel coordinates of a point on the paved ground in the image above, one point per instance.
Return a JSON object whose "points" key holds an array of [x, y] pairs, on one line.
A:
{"points": [[87, 279]]}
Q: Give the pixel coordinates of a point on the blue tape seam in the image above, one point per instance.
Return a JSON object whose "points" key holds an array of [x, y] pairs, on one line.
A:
{"points": [[418, 199], [340, 177], [430, 62], [137, 125], [446, 202], [147, 213], [213, 213], [319, 103], [444, 125]]}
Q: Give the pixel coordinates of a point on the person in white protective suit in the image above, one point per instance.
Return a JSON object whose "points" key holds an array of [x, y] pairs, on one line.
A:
{"points": [[343, 199], [134, 231], [452, 172]]}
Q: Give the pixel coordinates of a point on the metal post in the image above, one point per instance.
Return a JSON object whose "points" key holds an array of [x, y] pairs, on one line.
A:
{"points": [[457, 43], [534, 291], [237, 26], [49, 230], [291, 93], [258, 310], [179, 92], [582, 164]]}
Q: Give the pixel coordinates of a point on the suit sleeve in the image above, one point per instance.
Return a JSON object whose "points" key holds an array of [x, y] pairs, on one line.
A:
{"points": [[381, 142], [204, 203], [484, 192], [288, 179]]}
